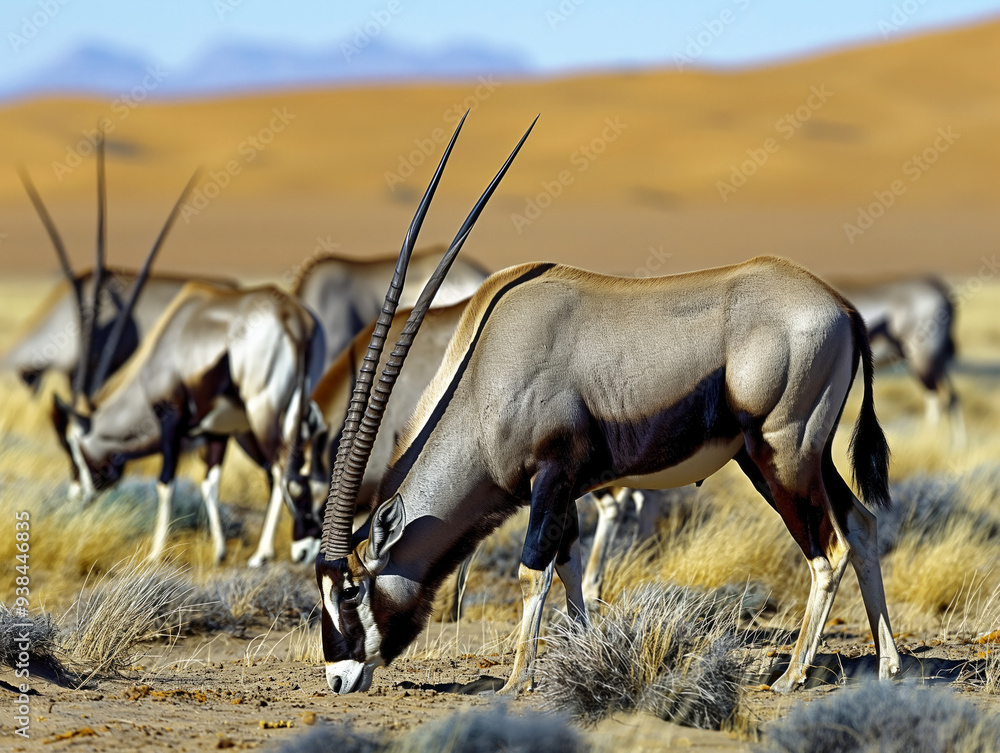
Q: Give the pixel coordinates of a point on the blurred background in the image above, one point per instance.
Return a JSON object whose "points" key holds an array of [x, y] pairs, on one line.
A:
{"points": [[859, 138]]}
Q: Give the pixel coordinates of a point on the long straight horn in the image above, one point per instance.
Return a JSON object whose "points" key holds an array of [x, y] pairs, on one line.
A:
{"points": [[88, 322], [50, 226], [337, 528], [337, 525], [118, 330], [57, 243]]}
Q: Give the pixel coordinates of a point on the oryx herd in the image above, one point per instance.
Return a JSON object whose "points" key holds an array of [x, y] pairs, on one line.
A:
{"points": [[531, 387]]}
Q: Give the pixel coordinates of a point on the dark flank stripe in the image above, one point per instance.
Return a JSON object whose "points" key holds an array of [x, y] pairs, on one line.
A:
{"points": [[395, 475]]}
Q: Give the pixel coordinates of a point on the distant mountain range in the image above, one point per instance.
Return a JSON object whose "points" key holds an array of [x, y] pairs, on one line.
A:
{"points": [[244, 67]]}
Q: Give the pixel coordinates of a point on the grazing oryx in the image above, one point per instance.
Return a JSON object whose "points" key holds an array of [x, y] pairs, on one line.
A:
{"points": [[914, 320], [346, 293], [50, 341], [559, 381], [332, 396], [219, 363]]}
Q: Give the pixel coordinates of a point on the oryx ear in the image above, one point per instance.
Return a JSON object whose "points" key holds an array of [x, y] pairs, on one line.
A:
{"points": [[386, 528]]}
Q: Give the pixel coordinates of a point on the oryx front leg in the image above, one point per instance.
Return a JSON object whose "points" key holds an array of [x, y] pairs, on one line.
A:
{"points": [[164, 513], [210, 494], [535, 585], [569, 567], [265, 548], [549, 523]]}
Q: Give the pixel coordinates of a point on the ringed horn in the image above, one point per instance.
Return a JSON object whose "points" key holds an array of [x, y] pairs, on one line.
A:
{"points": [[360, 429]]}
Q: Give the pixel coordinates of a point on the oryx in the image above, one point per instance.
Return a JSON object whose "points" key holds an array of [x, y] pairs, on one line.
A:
{"points": [[346, 293], [219, 363], [559, 381], [914, 320]]}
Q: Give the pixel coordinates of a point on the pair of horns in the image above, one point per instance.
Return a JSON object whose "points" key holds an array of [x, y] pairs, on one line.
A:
{"points": [[86, 383], [364, 416]]}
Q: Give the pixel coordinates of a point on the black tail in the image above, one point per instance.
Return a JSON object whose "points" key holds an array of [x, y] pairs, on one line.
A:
{"points": [[869, 449]]}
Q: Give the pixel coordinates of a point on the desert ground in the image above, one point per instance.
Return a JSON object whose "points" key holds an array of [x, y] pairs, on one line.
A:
{"points": [[622, 175]]}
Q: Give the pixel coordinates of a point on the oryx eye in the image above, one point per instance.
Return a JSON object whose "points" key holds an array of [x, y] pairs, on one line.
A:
{"points": [[350, 593]]}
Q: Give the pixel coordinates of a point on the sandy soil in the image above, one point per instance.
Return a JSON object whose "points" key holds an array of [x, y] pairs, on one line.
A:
{"points": [[219, 691]]}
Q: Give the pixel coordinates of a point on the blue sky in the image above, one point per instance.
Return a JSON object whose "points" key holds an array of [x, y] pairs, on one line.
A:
{"points": [[553, 35]]}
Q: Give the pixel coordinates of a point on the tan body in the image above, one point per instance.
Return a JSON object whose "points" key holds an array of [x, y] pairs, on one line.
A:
{"points": [[561, 381], [347, 294], [219, 363]]}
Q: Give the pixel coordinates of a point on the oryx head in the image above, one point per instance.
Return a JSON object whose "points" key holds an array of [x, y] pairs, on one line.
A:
{"points": [[99, 348], [363, 625]]}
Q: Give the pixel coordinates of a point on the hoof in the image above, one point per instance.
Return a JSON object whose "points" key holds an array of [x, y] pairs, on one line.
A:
{"points": [[787, 684], [259, 560], [516, 685]]}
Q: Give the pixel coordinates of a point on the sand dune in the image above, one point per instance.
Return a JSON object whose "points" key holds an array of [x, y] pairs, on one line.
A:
{"points": [[682, 168]]}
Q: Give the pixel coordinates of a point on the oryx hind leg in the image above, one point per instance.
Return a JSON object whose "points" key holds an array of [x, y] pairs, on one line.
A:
{"points": [[809, 516], [860, 527]]}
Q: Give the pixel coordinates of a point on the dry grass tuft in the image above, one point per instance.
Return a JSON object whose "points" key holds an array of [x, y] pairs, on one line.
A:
{"points": [[133, 602], [663, 649], [34, 634], [234, 600], [886, 718]]}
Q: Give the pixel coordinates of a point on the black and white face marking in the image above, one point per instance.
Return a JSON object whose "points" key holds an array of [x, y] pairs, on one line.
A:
{"points": [[351, 639]]}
